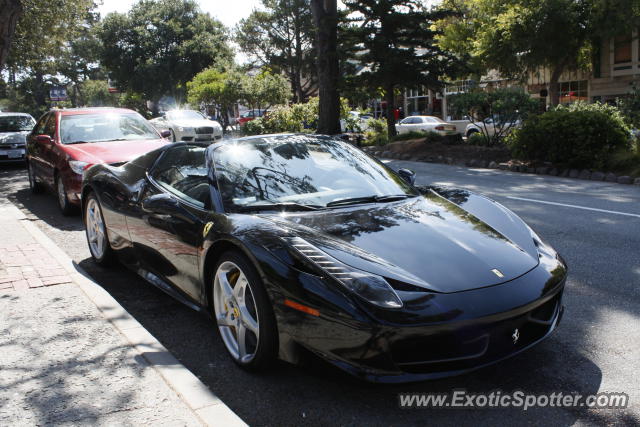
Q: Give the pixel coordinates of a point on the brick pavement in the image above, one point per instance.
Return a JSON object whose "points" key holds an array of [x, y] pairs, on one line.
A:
{"points": [[29, 265]]}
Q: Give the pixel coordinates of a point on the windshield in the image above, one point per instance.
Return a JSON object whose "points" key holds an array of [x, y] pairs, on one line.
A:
{"points": [[305, 170], [112, 126], [184, 115], [18, 123]]}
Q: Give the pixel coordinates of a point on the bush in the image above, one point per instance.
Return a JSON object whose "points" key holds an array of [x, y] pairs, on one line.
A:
{"points": [[377, 133], [254, 127], [579, 136], [478, 139]]}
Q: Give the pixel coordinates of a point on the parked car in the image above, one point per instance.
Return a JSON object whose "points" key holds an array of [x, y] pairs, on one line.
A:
{"points": [[249, 115], [188, 125], [296, 243], [64, 143], [490, 126], [425, 124], [14, 128]]}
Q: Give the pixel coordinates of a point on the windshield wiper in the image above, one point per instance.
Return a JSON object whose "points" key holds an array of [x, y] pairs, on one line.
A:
{"points": [[368, 199], [279, 206]]}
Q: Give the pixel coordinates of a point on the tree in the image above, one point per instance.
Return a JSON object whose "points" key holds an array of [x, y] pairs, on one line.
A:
{"points": [[10, 12], [281, 37], [95, 93], [222, 89], [502, 107], [518, 37], [42, 34], [325, 16], [264, 90], [158, 46], [398, 47]]}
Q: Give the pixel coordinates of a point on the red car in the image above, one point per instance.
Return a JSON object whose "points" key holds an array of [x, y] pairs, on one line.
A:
{"points": [[64, 143], [247, 116]]}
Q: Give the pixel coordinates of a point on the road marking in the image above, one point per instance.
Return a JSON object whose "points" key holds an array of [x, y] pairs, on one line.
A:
{"points": [[574, 206]]}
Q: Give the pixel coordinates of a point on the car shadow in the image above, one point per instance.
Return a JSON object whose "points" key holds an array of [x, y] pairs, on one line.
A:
{"points": [[317, 393]]}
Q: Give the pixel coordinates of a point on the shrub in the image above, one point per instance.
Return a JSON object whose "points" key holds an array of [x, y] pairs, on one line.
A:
{"points": [[377, 133], [254, 127], [478, 139], [579, 136]]}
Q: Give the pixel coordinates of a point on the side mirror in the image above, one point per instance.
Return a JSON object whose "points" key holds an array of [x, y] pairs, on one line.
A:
{"points": [[165, 133], [162, 204], [44, 139], [408, 175]]}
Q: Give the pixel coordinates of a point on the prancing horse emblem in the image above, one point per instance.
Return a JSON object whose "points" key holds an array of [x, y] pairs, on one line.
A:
{"points": [[206, 229], [516, 336]]}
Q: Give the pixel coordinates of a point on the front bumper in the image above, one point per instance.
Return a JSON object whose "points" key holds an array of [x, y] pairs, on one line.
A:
{"points": [[198, 137], [8, 154], [435, 336]]}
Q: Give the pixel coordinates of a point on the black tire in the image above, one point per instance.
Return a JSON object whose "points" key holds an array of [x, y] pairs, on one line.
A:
{"points": [[34, 185], [108, 256], [471, 132], [267, 346], [64, 204]]}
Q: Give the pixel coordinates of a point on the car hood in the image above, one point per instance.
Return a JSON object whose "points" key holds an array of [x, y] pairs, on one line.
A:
{"points": [[18, 138], [195, 123], [428, 241], [112, 151]]}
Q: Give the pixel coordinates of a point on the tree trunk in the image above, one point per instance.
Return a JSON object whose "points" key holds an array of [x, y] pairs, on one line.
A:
{"points": [[389, 97], [554, 90], [10, 12], [325, 16]]}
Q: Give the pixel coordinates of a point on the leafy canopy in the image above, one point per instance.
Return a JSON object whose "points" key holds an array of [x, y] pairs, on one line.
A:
{"points": [[160, 45]]}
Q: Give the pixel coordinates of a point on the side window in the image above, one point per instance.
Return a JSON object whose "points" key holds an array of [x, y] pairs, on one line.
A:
{"points": [[50, 127], [182, 171], [39, 127]]}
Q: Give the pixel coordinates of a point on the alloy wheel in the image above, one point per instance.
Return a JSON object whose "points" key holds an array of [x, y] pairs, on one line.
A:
{"points": [[95, 228], [236, 312]]}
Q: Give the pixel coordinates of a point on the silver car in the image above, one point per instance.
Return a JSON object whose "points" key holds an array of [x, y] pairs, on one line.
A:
{"points": [[188, 125], [14, 128]]}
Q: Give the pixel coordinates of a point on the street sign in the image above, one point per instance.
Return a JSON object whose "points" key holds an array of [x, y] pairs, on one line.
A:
{"points": [[58, 94]]}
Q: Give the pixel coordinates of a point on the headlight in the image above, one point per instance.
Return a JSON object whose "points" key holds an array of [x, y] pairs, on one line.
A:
{"points": [[78, 166], [370, 287], [185, 129]]}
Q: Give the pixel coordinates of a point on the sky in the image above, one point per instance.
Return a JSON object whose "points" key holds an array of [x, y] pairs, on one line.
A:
{"points": [[230, 12]]}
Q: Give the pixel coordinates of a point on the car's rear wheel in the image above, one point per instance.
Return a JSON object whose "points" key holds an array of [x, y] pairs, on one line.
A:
{"points": [[96, 232], [63, 201], [243, 312], [471, 133], [34, 185]]}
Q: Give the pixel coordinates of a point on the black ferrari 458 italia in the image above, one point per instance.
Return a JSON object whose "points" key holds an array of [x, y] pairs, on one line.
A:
{"points": [[296, 243]]}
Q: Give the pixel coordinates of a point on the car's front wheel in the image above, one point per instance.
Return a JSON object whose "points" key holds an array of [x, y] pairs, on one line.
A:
{"points": [[96, 232], [243, 313]]}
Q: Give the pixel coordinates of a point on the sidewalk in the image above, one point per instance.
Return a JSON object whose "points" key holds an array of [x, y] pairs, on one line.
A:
{"points": [[71, 355]]}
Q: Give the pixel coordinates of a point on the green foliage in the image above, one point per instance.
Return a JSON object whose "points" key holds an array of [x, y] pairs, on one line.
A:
{"points": [[396, 47], [281, 36], [502, 106], [264, 90], [377, 132], [411, 135], [479, 140], [135, 101], [221, 89], [95, 93], [158, 46], [579, 136], [293, 118], [630, 107]]}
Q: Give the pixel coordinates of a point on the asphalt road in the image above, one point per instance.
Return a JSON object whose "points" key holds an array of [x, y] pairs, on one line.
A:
{"points": [[595, 226]]}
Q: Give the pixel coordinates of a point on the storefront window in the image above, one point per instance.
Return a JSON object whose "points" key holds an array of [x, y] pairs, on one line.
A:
{"points": [[622, 49], [573, 91]]}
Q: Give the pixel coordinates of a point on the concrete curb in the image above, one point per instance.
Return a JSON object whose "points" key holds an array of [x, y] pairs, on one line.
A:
{"points": [[207, 407]]}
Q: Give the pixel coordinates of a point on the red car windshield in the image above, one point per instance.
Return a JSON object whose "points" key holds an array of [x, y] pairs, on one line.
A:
{"points": [[99, 127]]}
